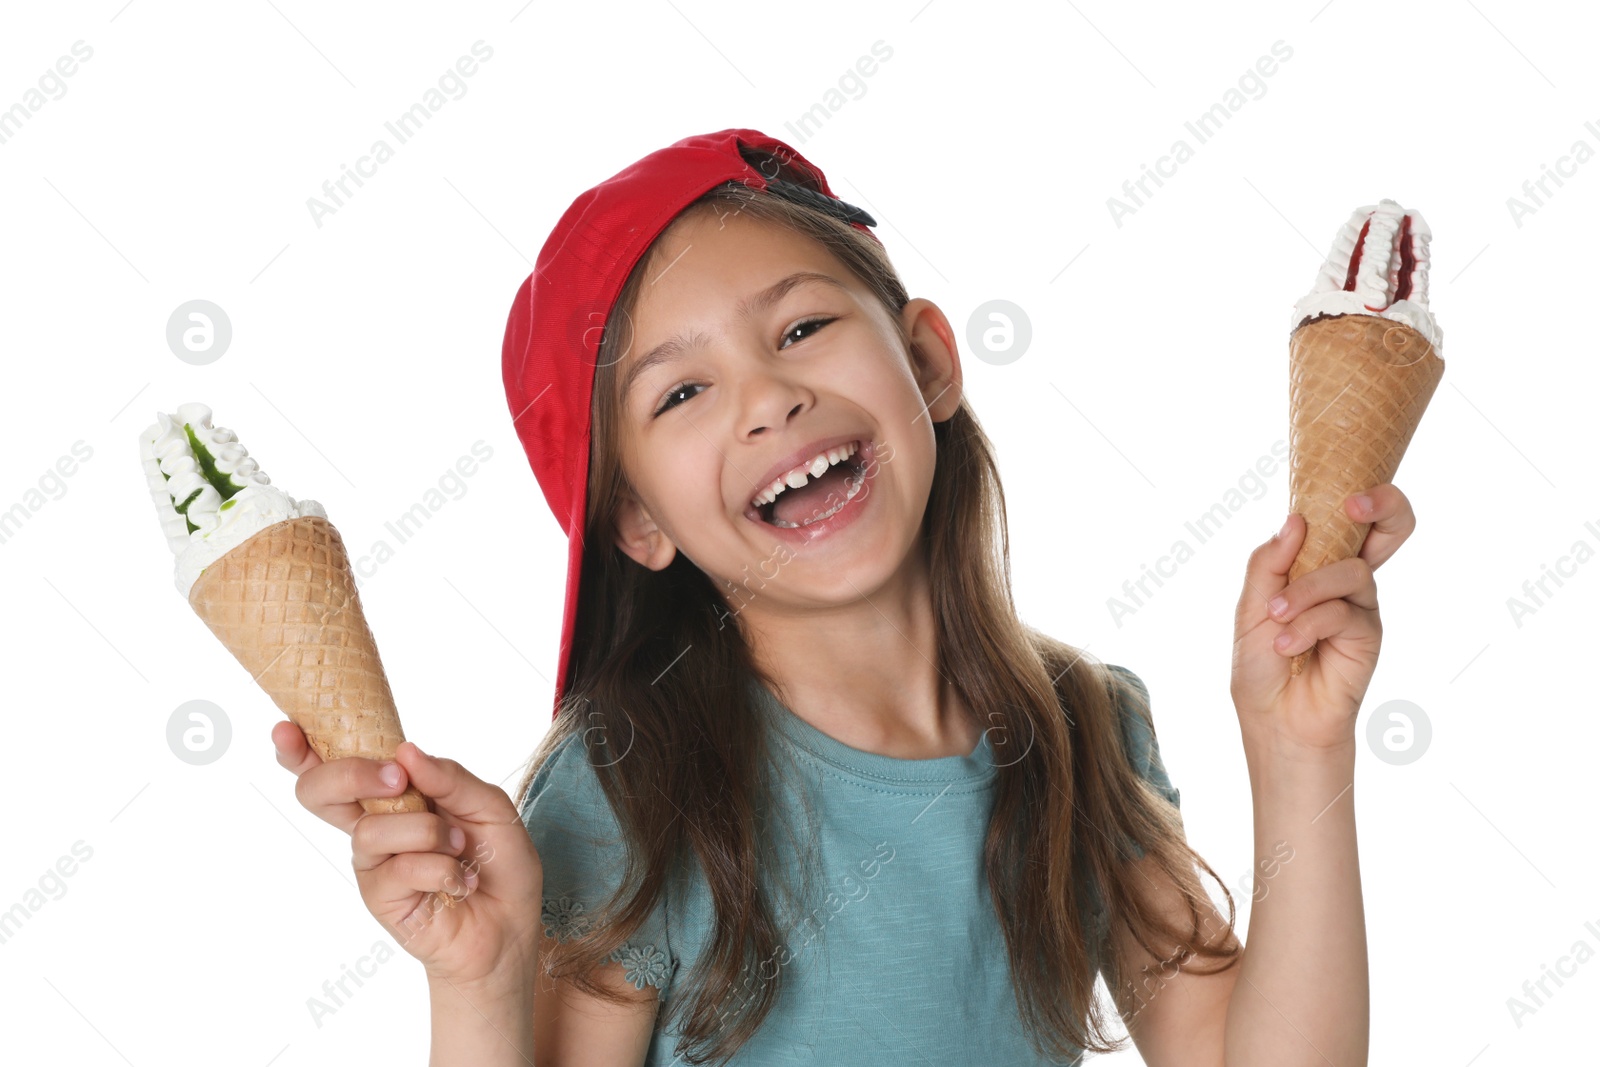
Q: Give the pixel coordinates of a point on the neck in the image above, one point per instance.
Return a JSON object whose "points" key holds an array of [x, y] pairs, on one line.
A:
{"points": [[866, 672]]}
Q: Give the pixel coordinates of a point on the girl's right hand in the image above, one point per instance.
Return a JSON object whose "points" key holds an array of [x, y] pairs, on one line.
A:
{"points": [[403, 860]]}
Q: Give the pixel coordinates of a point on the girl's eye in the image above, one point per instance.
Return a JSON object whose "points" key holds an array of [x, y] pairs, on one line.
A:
{"points": [[819, 321], [667, 400]]}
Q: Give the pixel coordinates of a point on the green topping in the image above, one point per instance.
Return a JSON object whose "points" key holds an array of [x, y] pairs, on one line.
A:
{"points": [[208, 466], [183, 509], [226, 504]]}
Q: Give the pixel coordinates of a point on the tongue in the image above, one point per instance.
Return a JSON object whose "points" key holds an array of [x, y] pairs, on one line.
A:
{"points": [[817, 496]]}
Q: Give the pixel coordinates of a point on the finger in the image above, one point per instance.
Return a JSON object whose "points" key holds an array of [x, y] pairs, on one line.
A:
{"points": [[1349, 579], [401, 877], [1267, 572], [293, 752], [1333, 618], [454, 789], [380, 836], [1392, 521], [332, 791]]}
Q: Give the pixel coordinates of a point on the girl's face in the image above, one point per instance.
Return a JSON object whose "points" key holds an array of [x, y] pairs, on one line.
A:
{"points": [[765, 372]]}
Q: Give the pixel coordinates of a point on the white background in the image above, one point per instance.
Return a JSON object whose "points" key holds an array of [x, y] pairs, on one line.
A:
{"points": [[366, 359]]}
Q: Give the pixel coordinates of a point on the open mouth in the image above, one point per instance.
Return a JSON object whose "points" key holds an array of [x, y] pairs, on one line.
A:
{"points": [[823, 492]]}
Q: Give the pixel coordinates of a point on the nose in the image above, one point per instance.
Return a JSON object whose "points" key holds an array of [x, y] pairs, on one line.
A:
{"points": [[770, 401]]}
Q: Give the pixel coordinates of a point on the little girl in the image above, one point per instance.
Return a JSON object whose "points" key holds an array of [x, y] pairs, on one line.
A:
{"points": [[814, 793]]}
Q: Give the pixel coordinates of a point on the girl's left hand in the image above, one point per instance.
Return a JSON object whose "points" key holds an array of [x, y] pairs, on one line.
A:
{"points": [[1336, 607]]}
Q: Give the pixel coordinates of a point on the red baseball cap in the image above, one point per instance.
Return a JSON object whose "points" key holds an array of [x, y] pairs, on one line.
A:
{"points": [[553, 334]]}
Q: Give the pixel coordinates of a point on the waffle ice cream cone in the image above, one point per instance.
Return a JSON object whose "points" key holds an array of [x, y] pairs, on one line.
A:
{"points": [[284, 603], [1363, 364]]}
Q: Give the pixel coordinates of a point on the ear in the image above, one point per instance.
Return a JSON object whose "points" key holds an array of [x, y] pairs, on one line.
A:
{"points": [[638, 535], [935, 362]]}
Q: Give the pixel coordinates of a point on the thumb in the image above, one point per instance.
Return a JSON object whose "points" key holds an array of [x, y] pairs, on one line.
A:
{"points": [[452, 787]]}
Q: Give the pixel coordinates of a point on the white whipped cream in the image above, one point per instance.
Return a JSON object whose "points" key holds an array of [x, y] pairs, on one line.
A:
{"points": [[1391, 275], [250, 510], [226, 504]]}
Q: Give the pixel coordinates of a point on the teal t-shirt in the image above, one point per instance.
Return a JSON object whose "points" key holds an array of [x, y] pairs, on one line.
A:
{"points": [[900, 959]]}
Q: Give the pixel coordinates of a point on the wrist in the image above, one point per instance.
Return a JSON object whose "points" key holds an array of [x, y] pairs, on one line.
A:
{"points": [[511, 976], [462, 1004], [1265, 742], [1288, 776], [481, 1022]]}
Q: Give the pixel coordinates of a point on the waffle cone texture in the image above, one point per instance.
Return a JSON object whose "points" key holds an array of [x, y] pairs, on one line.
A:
{"points": [[1358, 385], [284, 603]]}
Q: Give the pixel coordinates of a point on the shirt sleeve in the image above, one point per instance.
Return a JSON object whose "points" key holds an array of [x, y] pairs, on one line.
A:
{"points": [[1139, 733], [1139, 741], [584, 856]]}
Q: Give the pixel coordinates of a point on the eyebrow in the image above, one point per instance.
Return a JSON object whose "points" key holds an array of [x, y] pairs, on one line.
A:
{"points": [[674, 347]]}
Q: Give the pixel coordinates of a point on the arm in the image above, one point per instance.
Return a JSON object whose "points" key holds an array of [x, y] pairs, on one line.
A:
{"points": [[1303, 994], [1175, 1018], [481, 951], [490, 1003], [481, 1025], [574, 1029], [525, 1019], [1300, 994]]}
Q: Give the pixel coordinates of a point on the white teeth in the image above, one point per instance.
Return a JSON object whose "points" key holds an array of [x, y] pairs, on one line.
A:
{"points": [[854, 487], [798, 477]]}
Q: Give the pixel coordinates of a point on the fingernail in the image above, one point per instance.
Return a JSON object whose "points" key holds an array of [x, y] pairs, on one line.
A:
{"points": [[1363, 504], [1276, 605], [457, 837], [1286, 523], [1283, 641], [389, 775], [471, 878]]}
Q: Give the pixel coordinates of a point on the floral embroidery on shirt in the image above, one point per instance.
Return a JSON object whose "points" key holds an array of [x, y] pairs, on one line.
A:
{"points": [[564, 918], [642, 965]]}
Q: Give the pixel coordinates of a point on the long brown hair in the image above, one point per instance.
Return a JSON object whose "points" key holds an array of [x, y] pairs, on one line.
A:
{"points": [[689, 792]]}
